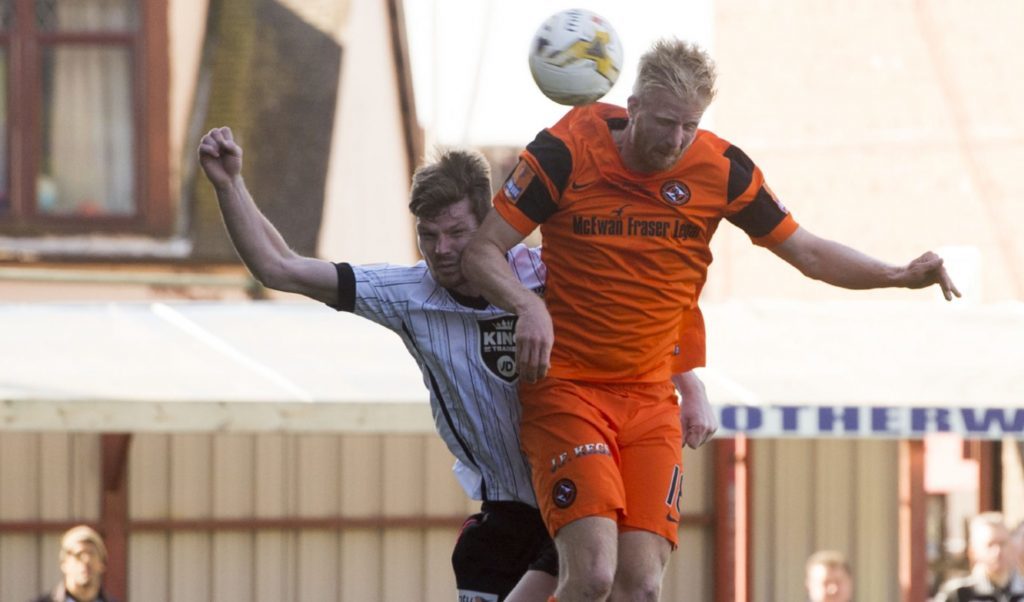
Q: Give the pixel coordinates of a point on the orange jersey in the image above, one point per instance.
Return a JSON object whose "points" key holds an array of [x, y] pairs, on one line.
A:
{"points": [[691, 348], [627, 252]]}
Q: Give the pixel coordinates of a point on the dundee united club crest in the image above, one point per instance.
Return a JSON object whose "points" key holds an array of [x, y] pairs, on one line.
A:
{"points": [[564, 493], [498, 346], [675, 192]]}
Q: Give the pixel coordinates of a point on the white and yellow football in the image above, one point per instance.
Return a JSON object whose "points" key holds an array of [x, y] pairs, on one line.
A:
{"points": [[575, 57]]}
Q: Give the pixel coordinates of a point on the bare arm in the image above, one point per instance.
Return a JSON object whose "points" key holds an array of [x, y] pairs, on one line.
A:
{"points": [[843, 266], [484, 264], [257, 241], [696, 417]]}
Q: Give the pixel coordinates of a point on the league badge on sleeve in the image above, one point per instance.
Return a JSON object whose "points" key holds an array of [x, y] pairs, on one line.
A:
{"points": [[516, 183]]}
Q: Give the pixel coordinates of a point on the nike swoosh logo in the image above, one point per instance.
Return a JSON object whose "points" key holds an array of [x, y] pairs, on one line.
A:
{"points": [[578, 186], [669, 518]]}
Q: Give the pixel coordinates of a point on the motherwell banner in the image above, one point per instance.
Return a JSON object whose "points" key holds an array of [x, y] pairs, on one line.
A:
{"points": [[881, 422]]}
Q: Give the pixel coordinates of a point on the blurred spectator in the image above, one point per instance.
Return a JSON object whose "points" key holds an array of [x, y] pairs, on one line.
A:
{"points": [[1017, 538], [994, 576], [83, 560], [828, 577]]}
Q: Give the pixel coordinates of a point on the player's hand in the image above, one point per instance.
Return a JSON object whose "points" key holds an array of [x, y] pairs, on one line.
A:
{"points": [[220, 157], [534, 338], [696, 418], [927, 270]]}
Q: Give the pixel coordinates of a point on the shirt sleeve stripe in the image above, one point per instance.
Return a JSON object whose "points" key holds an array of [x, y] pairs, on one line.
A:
{"points": [[554, 156], [551, 160], [515, 218], [778, 234], [346, 288], [741, 172], [759, 217]]}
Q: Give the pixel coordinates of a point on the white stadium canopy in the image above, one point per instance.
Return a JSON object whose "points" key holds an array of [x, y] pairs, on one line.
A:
{"points": [[867, 369], [775, 369]]}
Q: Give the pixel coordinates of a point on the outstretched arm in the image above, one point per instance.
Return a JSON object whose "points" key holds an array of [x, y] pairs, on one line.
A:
{"points": [[840, 265], [484, 264], [257, 241]]}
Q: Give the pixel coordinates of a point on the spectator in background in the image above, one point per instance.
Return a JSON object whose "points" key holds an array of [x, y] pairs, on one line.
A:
{"points": [[828, 577], [994, 576], [83, 560]]}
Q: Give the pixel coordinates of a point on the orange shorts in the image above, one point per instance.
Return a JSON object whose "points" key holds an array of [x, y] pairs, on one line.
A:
{"points": [[601, 449]]}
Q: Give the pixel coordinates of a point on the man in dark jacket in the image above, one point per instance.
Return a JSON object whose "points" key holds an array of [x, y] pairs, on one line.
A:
{"points": [[993, 575]]}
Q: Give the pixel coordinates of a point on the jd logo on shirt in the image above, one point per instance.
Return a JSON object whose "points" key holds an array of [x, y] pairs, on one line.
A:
{"points": [[498, 346]]}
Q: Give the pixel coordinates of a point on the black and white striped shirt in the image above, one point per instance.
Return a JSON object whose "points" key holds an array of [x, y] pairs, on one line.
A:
{"points": [[466, 352]]}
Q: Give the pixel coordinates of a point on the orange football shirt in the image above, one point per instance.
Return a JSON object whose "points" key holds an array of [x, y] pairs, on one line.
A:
{"points": [[626, 252], [691, 348]]}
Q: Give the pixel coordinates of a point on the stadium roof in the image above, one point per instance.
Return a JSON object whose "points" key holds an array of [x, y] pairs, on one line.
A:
{"points": [[776, 369]]}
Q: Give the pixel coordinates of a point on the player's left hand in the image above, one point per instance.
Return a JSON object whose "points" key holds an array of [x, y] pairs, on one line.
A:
{"points": [[927, 270], [696, 418], [535, 336]]}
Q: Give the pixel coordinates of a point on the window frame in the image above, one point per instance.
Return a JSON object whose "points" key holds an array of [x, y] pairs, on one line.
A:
{"points": [[148, 47]]}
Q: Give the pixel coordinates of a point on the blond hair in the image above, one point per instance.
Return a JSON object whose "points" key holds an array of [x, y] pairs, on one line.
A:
{"points": [[79, 534], [992, 520], [682, 68], [829, 559]]}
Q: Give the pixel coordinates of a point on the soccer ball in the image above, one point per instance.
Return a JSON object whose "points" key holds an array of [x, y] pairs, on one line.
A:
{"points": [[575, 57]]}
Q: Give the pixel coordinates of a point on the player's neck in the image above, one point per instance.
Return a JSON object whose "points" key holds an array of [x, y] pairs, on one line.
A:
{"points": [[630, 159], [468, 296], [619, 138]]}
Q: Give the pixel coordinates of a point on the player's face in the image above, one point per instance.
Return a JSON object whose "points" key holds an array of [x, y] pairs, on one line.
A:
{"points": [[662, 127], [82, 566], [828, 584], [442, 239]]}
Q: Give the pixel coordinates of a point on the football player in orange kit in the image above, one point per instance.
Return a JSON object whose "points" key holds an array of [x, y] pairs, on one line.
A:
{"points": [[627, 201]]}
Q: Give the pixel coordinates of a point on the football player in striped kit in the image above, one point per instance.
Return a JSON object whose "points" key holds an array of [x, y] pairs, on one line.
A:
{"points": [[463, 345]]}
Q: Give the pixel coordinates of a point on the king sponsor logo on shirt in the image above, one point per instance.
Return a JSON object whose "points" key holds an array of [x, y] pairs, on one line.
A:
{"points": [[498, 346]]}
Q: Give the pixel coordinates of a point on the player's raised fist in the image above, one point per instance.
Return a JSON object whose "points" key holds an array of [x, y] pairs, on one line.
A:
{"points": [[220, 156]]}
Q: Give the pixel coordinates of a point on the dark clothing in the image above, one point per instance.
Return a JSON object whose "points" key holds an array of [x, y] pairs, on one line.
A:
{"points": [[976, 587], [60, 594], [497, 546]]}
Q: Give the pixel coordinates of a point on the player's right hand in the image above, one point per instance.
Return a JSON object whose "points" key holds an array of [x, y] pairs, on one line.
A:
{"points": [[220, 156], [534, 337]]}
